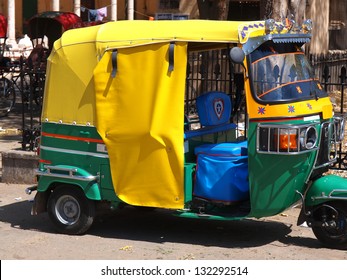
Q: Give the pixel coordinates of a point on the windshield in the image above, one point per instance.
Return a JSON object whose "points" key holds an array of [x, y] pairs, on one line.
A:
{"points": [[281, 72]]}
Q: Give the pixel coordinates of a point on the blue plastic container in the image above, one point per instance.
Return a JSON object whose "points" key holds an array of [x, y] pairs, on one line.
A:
{"points": [[222, 172]]}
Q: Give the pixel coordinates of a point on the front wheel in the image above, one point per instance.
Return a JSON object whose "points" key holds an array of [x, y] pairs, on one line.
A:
{"points": [[70, 211], [330, 226]]}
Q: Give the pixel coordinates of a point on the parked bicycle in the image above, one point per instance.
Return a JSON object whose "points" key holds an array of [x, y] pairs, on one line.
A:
{"points": [[17, 80], [7, 90]]}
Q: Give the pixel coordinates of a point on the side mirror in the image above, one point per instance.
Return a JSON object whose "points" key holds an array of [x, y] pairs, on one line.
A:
{"points": [[237, 55]]}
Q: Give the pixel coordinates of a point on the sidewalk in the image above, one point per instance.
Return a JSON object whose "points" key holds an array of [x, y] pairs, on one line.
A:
{"points": [[13, 160], [10, 130]]}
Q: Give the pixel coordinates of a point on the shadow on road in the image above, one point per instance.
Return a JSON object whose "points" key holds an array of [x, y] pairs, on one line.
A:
{"points": [[18, 215], [15, 118], [159, 226]]}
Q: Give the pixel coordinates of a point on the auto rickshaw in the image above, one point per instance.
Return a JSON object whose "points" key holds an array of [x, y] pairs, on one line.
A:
{"points": [[44, 29], [51, 24], [115, 130]]}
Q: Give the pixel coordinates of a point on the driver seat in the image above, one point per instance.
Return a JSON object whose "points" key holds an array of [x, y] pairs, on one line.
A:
{"points": [[214, 110]]}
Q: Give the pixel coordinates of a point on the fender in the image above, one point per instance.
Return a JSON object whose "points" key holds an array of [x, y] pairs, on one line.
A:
{"points": [[63, 174], [326, 188]]}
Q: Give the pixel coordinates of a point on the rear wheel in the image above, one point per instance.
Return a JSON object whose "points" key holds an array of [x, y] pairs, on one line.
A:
{"points": [[330, 226], [7, 96], [70, 211]]}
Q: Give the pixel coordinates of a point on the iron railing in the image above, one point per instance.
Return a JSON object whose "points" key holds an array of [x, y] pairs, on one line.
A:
{"points": [[331, 70]]}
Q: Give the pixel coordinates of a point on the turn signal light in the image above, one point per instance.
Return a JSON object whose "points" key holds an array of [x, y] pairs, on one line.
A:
{"points": [[287, 140]]}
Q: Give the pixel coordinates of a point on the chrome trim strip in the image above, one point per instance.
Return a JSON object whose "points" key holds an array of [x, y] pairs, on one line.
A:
{"points": [[50, 168], [331, 160], [69, 176], [330, 195], [68, 151]]}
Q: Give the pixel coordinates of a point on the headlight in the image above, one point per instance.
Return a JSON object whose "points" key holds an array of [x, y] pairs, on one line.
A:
{"points": [[286, 139], [308, 138]]}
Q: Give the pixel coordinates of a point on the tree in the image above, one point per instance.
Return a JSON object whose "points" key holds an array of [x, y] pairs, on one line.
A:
{"points": [[317, 10], [279, 10], [319, 13], [213, 9]]}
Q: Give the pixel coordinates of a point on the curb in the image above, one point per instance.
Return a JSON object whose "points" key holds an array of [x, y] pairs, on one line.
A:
{"points": [[10, 131], [19, 167]]}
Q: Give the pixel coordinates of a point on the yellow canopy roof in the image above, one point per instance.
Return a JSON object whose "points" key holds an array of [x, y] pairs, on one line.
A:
{"points": [[122, 34], [78, 51]]}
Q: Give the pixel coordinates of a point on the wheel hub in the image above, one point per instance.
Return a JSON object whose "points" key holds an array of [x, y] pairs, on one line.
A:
{"points": [[70, 209], [67, 210]]}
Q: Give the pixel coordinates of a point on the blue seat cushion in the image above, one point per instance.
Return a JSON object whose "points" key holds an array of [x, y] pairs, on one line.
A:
{"points": [[214, 108]]}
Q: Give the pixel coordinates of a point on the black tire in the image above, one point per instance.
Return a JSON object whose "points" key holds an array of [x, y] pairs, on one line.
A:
{"points": [[70, 211], [334, 233], [7, 96]]}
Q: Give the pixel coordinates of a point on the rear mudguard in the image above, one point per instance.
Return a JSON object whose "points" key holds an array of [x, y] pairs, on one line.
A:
{"points": [[322, 190], [71, 175], [63, 175]]}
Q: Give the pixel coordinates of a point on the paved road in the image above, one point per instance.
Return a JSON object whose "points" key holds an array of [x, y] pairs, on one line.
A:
{"points": [[131, 234]]}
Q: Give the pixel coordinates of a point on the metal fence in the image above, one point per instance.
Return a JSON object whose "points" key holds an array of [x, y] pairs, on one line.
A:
{"points": [[331, 70], [206, 71], [21, 87], [212, 71]]}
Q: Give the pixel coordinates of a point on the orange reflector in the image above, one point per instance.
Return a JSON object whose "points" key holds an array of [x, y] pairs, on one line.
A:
{"points": [[284, 144]]}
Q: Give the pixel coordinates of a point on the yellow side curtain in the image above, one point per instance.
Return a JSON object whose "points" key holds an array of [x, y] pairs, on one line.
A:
{"points": [[69, 89], [140, 116]]}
